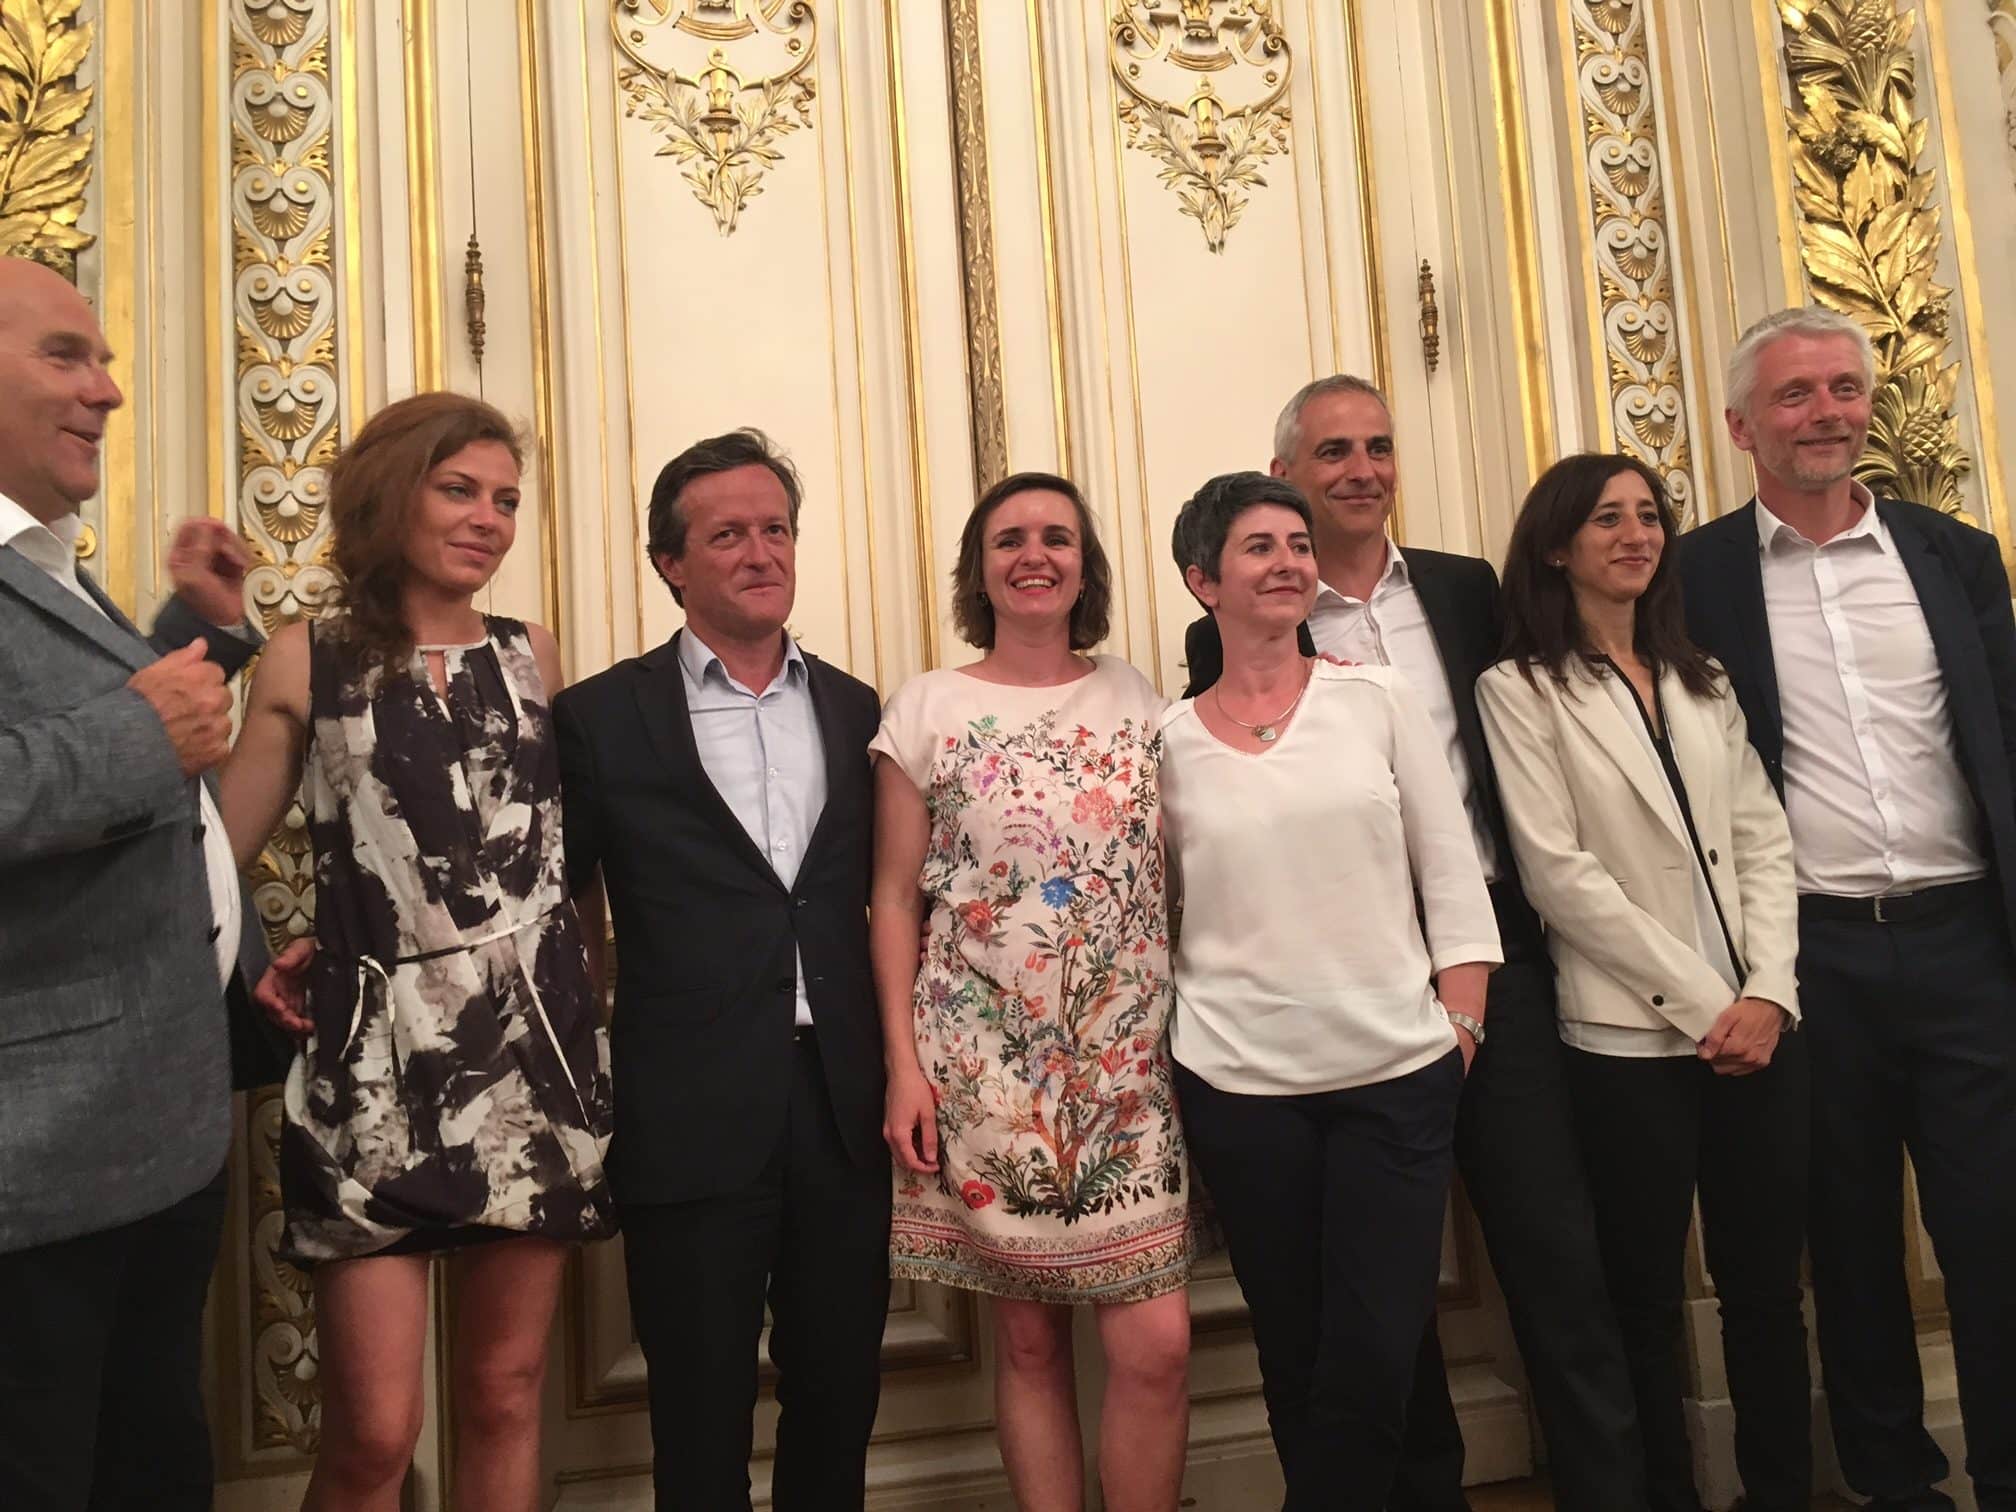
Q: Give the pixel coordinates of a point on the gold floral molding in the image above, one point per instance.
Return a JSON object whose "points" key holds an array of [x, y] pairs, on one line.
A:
{"points": [[721, 81], [282, 198], [1639, 326], [985, 390], [1204, 87], [45, 147], [1869, 232]]}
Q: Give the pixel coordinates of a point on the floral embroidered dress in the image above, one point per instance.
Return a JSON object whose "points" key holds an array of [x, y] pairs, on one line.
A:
{"points": [[1044, 991]]}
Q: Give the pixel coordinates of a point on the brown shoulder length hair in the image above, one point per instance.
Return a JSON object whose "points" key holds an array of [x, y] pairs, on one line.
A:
{"points": [[1091, 616], [372, 488], [1542, 625]]}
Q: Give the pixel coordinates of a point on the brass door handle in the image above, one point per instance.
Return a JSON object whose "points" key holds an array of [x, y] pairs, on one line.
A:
{"points": [[1431, 318]]}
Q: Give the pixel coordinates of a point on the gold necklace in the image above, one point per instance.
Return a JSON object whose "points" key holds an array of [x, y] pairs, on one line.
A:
{"points": [[1268, 730]]}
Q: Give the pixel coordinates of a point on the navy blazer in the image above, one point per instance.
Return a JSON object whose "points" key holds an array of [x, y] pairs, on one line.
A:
{"points": [[1964, 592]]}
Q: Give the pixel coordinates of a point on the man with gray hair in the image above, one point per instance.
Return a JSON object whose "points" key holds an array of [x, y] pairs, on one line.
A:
{"points": [[1871, 645], [1435, 617]]}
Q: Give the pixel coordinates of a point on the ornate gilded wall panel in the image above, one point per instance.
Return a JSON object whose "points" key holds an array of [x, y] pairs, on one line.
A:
{"points": [[976, 244], [1638, 327], [45, 139], [1203, 90], [1869, 230], [281, 202], [723, 82], [2002, 26]]}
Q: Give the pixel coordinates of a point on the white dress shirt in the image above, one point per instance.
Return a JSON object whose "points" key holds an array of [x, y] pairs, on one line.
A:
{"points": [[53, 548], [1392, 630], [1300, 964], [1873, 790], [763, 754]]}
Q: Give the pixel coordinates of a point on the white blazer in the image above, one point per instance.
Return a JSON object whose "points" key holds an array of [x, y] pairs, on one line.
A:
{"points": [[1605, 859]]}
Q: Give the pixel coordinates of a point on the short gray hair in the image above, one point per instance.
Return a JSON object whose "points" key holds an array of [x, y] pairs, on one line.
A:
{"points": [[1739, 385], [1288, 428]]}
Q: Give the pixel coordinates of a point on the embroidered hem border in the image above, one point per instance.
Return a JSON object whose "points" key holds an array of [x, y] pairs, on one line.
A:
{"points": [[1131, 1264]]}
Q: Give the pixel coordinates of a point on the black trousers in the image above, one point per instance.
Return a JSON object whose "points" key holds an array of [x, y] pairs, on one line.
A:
{"points": [[1913, 1030], [1522, 1171], [1332, 1206], [1653, 1132], [810, 1237], [101, 1352]]}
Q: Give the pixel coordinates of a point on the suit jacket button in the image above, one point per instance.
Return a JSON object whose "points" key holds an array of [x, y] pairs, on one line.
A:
{"points": [[797, 902], [787, 984], [1658, 1001]]}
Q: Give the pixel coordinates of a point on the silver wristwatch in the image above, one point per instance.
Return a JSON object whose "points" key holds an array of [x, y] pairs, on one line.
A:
{"points": [[1466, 1023]]}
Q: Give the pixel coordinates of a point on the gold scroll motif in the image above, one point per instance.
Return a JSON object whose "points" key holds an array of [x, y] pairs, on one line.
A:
{"points": [[1204, 87], [1869, 231], [1633, 253], [986, 392], [722, 81], [282, 206], [45, 147]]}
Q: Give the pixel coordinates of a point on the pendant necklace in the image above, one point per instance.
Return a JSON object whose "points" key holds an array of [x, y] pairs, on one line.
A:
{"points": [[1268, 730]]}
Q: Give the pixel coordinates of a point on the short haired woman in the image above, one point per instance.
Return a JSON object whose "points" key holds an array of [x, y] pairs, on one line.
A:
{"points": [[1655, 852], [1038, 1157], [1307, 806]]}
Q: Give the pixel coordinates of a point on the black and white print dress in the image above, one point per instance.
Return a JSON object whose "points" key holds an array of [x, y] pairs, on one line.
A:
{"points": [[455, 1086]]}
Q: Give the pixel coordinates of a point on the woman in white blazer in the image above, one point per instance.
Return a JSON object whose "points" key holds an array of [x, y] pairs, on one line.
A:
{"points": [[1652, 846]]}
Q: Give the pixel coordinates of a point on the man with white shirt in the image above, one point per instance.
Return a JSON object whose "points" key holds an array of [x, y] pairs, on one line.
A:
{"points": [[1871, 645], [719, 785], [1435, 618], [121, 930]]}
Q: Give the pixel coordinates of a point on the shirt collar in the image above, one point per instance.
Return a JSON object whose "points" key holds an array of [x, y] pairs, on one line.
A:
{"points": [[697, 659], [1395, 576], [1771, 530], [14, 520]]}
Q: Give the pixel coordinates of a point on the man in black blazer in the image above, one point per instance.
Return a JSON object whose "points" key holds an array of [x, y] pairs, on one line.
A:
{"points": [[1871, 645], [1436, 617], [720, 786]]}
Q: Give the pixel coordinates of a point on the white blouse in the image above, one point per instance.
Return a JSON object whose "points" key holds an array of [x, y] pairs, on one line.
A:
{"points": [[1300, 964]]}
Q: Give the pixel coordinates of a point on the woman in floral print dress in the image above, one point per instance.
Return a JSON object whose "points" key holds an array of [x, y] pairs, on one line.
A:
{"points": [[1030, 1113]]}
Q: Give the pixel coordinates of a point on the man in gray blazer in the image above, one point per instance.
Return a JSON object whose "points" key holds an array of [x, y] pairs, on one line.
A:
{"points": [[122, 921]]}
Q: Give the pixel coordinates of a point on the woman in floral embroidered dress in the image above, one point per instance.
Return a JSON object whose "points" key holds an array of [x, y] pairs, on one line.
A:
{"points": [[1030, 1113]]}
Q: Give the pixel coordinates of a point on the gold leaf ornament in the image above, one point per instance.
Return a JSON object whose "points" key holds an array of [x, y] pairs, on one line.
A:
{"points": [[1869, 234], [45, 149]]}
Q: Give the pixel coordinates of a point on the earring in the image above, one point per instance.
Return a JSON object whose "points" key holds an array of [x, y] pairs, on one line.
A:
{"points": [[983, 595]]}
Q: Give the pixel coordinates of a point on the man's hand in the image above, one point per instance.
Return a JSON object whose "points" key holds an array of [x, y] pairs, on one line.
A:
{"points": [[195, 707], [1744, 1038], [207, 564], [282, 994]]}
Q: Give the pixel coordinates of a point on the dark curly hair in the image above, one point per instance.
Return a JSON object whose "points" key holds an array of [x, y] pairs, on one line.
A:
{"points": [[1091, 616], [372, 487]]}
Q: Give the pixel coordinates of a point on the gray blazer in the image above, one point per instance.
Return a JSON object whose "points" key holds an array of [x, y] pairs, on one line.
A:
{"points": [[114, 1057]]}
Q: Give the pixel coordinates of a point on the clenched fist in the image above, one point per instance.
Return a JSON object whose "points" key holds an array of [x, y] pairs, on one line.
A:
{"points": [[195, 707], [207, 564]]}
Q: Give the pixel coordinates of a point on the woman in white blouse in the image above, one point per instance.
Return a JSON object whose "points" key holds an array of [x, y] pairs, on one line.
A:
{"points": [[1658, 857], [1305, 805]]}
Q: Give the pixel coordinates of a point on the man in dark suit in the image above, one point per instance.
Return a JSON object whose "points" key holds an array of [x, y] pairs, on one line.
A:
{"points": [[720, 785], [1870, 643], [123, 927], [1435, 617]]}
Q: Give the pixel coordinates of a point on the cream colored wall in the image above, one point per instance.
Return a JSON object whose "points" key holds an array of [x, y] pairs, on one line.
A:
{"points": [[846, 315]]}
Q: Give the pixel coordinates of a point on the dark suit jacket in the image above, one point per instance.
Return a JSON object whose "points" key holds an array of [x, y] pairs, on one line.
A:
{"points": [[1460, 596], [1964, 592], [708, 938]]}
